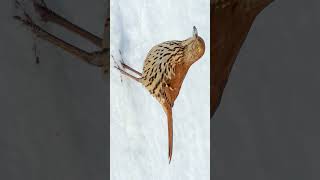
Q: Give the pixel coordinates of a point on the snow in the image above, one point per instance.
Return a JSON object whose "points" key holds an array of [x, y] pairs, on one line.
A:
{"points": [[138, 127]]}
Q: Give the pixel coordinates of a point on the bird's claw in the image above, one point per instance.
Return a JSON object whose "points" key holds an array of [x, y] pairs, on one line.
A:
{"points": [[117, 66]]}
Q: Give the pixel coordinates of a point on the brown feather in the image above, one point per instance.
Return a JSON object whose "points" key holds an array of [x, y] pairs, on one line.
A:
{"points": [[230, 23], [164, 70]]}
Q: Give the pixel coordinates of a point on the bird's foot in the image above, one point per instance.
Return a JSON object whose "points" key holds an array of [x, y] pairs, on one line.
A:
{"points": [[26, 20], [118, 66], [42, 10]]}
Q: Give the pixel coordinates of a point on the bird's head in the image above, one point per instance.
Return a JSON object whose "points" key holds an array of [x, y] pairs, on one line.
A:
{"points": [[194, 47]]}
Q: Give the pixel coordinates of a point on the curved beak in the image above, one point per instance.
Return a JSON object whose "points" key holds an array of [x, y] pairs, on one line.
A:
{"points": [[195, 32]]}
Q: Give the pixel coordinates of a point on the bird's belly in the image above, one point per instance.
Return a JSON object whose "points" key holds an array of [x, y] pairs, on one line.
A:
{"points": [[168, 89]]}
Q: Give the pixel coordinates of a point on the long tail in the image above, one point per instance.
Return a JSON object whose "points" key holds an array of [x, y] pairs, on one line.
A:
{"points": [[168, 110]]}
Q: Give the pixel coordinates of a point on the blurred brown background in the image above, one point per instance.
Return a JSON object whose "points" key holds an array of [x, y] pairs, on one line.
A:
{"points": [[267, 126]]}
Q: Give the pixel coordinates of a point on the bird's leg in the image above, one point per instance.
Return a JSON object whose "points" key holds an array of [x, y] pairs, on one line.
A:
{"points": [[93, 58], [48, 15], [128, 67], [127, 74], [131, 69], [168, 110], [124, 72]]}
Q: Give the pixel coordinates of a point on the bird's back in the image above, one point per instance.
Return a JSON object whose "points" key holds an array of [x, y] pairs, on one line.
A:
{"points": [[163, 71]]}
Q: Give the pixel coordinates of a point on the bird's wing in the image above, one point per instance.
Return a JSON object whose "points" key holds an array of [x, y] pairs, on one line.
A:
{"points": [[230, 22], [160, 66]]}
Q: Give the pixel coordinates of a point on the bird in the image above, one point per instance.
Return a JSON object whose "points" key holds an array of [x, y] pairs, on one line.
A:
{"points": [[230, 22], [99, 58], [164, 70]]}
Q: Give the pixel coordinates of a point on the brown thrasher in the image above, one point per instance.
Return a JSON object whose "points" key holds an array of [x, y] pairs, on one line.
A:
{"points": [[164, 70]]}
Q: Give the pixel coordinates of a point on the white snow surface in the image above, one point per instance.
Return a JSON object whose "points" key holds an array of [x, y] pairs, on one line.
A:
{"points": [[139, 143]]}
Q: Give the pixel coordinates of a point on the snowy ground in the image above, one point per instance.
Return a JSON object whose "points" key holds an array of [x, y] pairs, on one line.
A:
{"points": [[138, 123]]}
